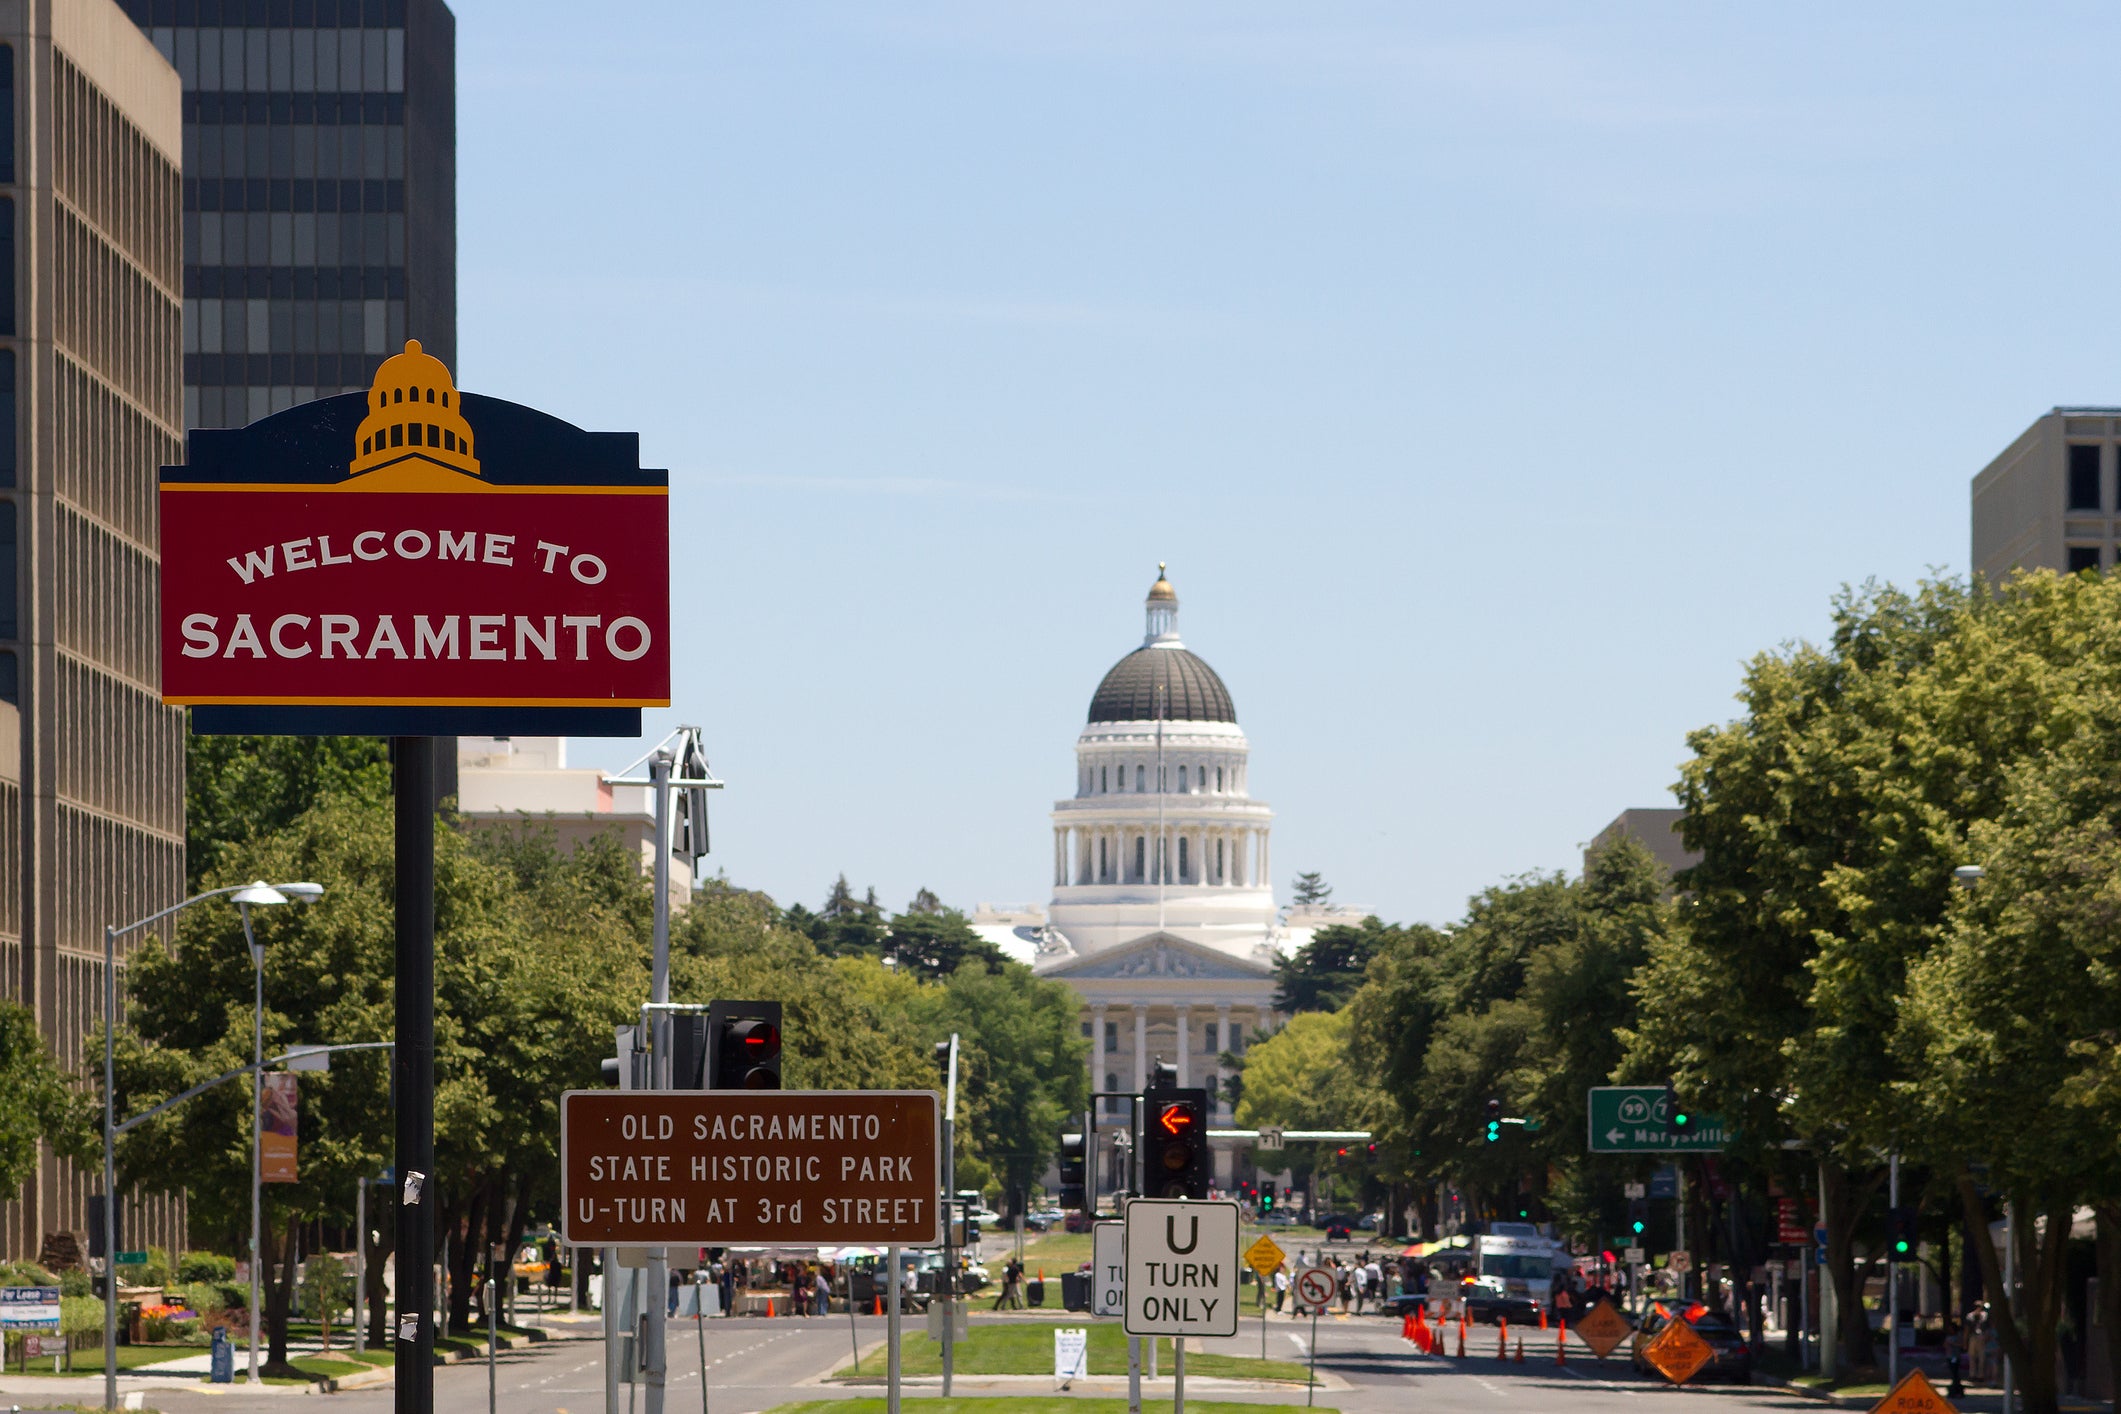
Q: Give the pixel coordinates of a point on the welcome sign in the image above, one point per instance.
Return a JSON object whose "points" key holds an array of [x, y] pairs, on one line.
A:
{"points": [[415, 561]]}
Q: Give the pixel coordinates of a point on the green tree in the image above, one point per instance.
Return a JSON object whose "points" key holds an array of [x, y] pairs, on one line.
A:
{"points": [[1312, 890], [1323, 973], [238, 789], [37, 1102], [326, 1288]]}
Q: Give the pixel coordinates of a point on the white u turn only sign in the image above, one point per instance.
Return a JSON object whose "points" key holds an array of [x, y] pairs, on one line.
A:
{"points": [[1182, 1268]]}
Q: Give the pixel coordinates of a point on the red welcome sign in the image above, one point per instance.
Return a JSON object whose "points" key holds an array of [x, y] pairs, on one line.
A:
{"points": [[444, 551]]}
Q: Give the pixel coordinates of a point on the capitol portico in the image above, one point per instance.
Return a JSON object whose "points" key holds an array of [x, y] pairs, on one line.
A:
{"points": [[1163, 914]]}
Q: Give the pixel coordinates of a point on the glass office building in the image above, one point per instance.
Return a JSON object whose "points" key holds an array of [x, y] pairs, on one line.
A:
{"points": [[319, 193]]}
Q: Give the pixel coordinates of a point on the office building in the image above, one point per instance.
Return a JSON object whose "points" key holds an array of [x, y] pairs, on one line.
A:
{"points": [[2051, 499], [1657, 829], [91, 762], [319, 194]]}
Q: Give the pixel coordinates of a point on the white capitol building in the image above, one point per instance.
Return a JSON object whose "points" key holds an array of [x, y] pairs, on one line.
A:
{"points": [[1163, 914]]}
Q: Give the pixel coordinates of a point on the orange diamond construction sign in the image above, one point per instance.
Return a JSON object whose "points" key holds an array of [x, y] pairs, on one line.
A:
{"points": [[1678, 1353], [1602, 1328], [1914, 1395]]}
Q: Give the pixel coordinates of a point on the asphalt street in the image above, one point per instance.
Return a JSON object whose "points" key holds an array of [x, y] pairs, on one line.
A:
{"points": [[754, 1364]]}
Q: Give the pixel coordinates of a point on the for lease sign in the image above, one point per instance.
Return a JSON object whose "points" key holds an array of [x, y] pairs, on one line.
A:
{"points": [[414, 547], [656, 1168]]}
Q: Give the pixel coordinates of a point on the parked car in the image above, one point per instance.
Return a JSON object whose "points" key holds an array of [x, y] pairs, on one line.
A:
{"points": [[1337, 1230], [1078, 1222], [1733, 1359]]}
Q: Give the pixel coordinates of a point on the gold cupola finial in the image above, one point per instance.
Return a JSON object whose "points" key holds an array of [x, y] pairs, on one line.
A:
{"points": [[1161, 591], [414, 429]]}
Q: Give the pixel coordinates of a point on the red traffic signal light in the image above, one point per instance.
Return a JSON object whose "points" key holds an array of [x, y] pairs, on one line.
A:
{"points": [[1178, 1120], [744, 1046], [1175, 1144]]}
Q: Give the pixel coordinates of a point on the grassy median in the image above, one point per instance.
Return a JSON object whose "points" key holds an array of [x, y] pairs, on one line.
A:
{"points": [[1025, 1349], [1007, 1405]]}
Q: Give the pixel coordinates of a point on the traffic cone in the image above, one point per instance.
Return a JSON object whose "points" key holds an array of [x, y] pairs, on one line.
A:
{"points": [[879, 1306], [769, 1308], [1542, 1318], [1406, 1328], [1461, 1337], [1502, 1338], [1520, 1350], [1561, 1346]]}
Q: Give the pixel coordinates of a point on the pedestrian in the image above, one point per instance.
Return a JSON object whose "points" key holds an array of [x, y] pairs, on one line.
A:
{"points": [[1010, 1299], [1343, 1286], [821, 1295], [1376, 1283], [1359, 1279], [798, 1289], [1281, 1286]]}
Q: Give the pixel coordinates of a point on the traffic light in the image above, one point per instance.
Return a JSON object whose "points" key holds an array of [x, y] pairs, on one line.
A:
{"points": [[1900, 1235], [1494, 1120], [1175, 1152], [1266, 1197], [744, 1046], [1638, 1215], [1677, 1120], [1074, 1171]]}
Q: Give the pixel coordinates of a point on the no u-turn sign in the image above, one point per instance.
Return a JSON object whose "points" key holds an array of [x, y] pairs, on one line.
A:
{"points": [[1182, 1268]]}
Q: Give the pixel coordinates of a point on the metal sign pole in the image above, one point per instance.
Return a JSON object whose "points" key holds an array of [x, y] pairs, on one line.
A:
{"points": [[655, 1304], [360, 1263], [1134, 1374], [493, 1328], [1178, 1375], [1892, 1282], [1311, 1390], [413, 789], [891, 1332]]}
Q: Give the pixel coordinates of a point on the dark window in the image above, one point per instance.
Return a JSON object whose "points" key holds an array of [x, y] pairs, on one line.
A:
{"points": [[2084, 478], [2081, 557], [7, 112], [10, 691], [8, 624], [7, 265], [7, 417]]}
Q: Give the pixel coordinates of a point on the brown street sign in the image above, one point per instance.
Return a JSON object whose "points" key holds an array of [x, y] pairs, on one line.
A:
{"points": [[675, 1168]]}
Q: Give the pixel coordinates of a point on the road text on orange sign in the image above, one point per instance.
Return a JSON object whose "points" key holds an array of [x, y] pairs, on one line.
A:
{"points": [[1914, 1395], [1602, 1328], [1678, 1353], [643, 1168]]}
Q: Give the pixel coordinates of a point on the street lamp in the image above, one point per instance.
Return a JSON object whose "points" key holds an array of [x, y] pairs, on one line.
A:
{"points": [[244, 895]]}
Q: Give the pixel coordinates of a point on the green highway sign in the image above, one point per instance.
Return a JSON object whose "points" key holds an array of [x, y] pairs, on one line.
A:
{"points": [[1631, 1119], [132, 1259]]}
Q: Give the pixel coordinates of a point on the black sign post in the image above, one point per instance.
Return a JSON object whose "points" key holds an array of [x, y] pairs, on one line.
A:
{"points": [[412, 776]]}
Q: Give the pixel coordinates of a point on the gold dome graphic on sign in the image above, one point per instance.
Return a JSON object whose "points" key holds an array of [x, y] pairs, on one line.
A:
{"points": [[414, 437]]}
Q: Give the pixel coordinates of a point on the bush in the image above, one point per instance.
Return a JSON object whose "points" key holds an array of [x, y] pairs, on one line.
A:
{"points": [[205, 1266], [204, 1296], [75, 1282], [153, 1272], [26, 1274]]}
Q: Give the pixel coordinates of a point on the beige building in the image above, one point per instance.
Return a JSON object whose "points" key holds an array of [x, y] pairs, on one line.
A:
{"points": [[90, 406], [2050, 500], [525, 782]]}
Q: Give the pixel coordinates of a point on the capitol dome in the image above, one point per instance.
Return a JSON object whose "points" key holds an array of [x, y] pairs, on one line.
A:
{"points": [[1162, 681]]}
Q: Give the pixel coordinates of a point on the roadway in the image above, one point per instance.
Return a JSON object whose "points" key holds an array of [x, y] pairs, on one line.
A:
{"points": [[754, 1364]]}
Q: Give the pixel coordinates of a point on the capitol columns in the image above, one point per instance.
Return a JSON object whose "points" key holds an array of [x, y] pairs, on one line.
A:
{"points": [[1141, 1047], [1097, 1051], [1185, 1044], [1222, 1048]]}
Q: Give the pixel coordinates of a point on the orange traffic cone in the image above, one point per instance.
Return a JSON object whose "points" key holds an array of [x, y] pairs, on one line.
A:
{"points": [[1561, 1346], [879, 1305], [769, 1308], [1406, 1327], [1542, 1318], [1461, 1337], [1520, 1350], [1502, 1338]]}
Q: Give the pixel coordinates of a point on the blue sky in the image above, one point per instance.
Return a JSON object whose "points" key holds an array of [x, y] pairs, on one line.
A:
{"points": [[1495, 380]]}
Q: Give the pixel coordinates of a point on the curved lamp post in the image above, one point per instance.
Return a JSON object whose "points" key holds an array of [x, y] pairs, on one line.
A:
{"points": [[245, 896]]}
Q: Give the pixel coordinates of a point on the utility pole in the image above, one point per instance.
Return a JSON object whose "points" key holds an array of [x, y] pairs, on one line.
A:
{"points": [[949, 1272], [677, 762], [1892, 1276]]}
